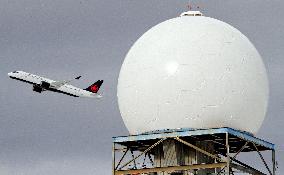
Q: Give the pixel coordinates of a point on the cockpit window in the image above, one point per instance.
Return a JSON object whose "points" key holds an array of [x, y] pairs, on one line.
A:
{"points": [[15, 72]]}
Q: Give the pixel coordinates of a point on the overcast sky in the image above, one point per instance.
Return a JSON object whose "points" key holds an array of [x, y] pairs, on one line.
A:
{"points": [[50, 133]]}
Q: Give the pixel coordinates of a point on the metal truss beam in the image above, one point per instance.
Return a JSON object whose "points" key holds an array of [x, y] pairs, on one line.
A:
{"points": [[172, 168], [148, 149]]}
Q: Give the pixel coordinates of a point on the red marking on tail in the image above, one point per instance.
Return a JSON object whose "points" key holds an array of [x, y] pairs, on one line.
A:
{"points": [[94, 88]]}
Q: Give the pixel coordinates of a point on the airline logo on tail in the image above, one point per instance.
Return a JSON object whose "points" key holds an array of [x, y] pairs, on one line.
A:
{"points": [[95, 87]]}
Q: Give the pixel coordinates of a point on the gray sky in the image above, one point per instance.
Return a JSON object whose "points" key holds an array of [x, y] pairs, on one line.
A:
{"points": [[50, 133]]}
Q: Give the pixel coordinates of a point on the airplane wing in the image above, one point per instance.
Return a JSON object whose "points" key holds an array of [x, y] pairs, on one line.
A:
{"points": [[58, 84]]}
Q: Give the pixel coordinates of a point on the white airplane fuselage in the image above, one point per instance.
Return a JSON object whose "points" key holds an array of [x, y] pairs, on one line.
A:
{"points": [[44, 84]]}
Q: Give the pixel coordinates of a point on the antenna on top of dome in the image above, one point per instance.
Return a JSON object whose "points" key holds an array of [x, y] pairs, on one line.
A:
{"points": [[189, 5], [192, 6]]}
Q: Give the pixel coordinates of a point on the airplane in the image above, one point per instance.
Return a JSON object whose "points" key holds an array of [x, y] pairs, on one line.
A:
{"points": [[41, 84]]}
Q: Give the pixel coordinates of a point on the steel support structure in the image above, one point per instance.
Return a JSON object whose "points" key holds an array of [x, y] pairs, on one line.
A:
{"points": [[228, 154], [228, 145]]}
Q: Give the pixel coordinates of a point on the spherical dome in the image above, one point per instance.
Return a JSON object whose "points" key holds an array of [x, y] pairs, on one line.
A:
{"points": [[192, 72]]}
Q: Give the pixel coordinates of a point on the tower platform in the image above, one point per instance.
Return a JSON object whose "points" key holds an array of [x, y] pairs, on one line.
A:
{"points": [[188, 151]]}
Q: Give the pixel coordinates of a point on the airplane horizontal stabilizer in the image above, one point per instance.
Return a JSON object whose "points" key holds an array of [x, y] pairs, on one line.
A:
{"points": [[77, 78]]}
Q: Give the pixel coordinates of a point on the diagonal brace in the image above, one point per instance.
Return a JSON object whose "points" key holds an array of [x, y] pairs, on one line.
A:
{"points": [[199, 150], [260, 155], [121, 158], [148, 149], [243, 147]]}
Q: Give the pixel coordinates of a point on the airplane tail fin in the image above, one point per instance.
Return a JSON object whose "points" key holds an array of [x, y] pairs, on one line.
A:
{"points": [[95, 87]]}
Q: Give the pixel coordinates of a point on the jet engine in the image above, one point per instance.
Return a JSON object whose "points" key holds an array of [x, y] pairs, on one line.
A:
{"points": [[44, 85], [37, 88]]}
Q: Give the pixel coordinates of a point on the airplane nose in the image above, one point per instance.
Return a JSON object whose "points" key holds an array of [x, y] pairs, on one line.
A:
{"points": [[10, 74]]}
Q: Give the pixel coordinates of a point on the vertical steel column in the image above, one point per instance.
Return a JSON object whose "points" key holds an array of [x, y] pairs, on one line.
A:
{"points": [[133, 157], [228, 151], [113, 158], [273, 163]]}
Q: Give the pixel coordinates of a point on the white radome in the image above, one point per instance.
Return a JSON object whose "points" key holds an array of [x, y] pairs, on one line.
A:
{"points": [[192, 72]]}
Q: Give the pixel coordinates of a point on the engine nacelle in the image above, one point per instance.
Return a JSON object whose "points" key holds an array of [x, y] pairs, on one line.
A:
{"points": [[37, 88], [45, 85]]}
